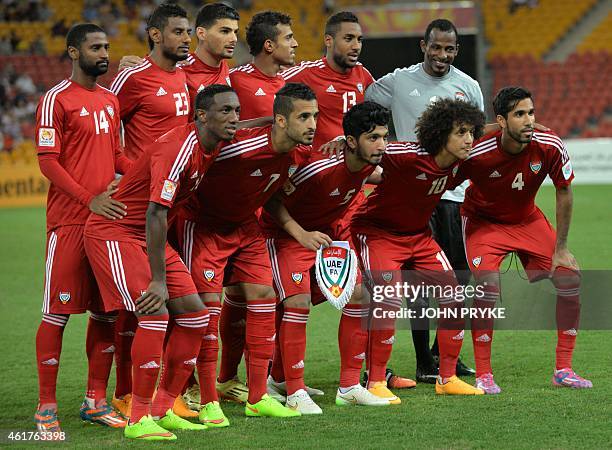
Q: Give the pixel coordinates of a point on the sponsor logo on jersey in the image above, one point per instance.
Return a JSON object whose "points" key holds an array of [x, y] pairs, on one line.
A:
{"points": [[459, 96], [535, 166], [111, 111], [387, 276], [64, 297], [414, 93], [84, 112], [331, 88], [476, 261], [567, 170], [209, 274], [421, 176], [201, 87], [46, 137], [360, 87], [257, 173], [292, 169], [168, 190], [495, 174], [297, 277], [161, 91], [260, 92], [334, 193]]}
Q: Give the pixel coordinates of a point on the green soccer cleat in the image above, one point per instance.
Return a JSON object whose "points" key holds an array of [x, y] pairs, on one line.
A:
{"points": [[212, 416], [173, 422], [147, 430], [268, 407]]}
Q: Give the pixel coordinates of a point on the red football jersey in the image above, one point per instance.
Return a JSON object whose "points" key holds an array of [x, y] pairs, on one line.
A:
{"points": [[152, 101], [82, 126], [412, 186], [336, 93], [246, 173], [168, 172], [199, 74], [503, 186], [255, 90], [320, 192]]}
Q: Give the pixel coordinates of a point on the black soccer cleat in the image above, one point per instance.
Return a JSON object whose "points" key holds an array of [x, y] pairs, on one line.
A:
{"points": [[427, 374]]}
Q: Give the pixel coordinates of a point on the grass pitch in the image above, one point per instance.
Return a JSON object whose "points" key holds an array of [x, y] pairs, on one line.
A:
{"points": [[529, 413]]}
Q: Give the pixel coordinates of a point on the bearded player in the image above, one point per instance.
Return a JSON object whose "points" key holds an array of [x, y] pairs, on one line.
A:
{"points": [[499, 216], [77, 128]]}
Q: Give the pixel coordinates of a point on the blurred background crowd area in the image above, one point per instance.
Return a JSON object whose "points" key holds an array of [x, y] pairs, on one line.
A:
{"points": [[560, 49]]}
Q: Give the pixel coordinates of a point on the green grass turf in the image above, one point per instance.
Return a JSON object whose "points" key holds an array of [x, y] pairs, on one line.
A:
{"points": [[530, 413]]}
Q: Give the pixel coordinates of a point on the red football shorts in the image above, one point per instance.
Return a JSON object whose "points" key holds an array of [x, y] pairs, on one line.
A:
{"points": [[487, 244], [123, 273], [384, 255], [293, 265], [220, 258], [70, 286]]}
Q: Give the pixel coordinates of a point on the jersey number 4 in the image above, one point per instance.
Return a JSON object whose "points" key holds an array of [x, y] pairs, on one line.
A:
{"points": [[518, 182]]}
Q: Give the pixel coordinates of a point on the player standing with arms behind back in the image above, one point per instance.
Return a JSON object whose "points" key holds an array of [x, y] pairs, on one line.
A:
{"points": [[499, 216], [77, 129]]}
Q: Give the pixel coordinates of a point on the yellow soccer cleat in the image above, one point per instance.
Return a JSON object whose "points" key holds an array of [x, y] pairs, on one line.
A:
{"points": [[233, 390], [181, 409], [123, 405], [454, 386], [381, 390]]}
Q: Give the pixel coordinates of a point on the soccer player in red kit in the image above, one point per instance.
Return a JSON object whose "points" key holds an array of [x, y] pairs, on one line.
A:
{"points": [[77, 129], [499, 216], [338, 79], [153, 95], [217, 32], [316, 198], [272, 44], [154, 99], [228, 245], [137, 270], [392, 234]]}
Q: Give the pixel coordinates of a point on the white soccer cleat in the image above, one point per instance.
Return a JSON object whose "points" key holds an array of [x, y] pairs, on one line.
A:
{"points": [[301, 401], [314, 391], [278, 391], [358, 395]]}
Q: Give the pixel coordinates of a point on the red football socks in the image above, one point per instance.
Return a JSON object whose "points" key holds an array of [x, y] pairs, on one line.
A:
{"points": [[100, 348], [353, 342], [146, 359], [48, 349], [232, 326], [207, 357], [125, 329], [567, 283], [292, 340], [180, 357], [260, 335]]}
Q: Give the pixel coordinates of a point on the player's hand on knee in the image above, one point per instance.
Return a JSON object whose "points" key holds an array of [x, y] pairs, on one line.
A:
{"points": [[334, 148], [105, 206], [153, 299], [564, 258], [130, 61], [313, 240]]}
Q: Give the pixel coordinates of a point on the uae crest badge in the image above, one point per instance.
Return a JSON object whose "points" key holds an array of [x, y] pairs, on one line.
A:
{"points": [[336, 272]]}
